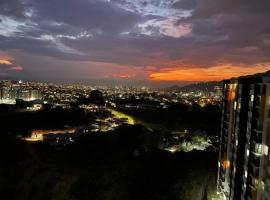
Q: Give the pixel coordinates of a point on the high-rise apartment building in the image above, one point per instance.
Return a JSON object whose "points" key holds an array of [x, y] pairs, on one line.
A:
{"points": [[244, 161], [8, 95]]}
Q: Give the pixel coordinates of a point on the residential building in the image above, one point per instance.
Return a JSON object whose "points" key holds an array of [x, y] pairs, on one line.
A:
{"points": [[244, 162]]}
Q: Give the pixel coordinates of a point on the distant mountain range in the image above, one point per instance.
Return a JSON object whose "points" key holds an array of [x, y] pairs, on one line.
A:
{"points": [[202, 86], [207, 86]]}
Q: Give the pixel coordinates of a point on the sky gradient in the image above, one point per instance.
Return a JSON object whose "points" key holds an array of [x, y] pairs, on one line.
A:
{"points": [[154, 42]]}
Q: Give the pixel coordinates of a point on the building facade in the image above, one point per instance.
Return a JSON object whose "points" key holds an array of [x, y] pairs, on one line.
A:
{"points": [[8, 95], [244, 162]]}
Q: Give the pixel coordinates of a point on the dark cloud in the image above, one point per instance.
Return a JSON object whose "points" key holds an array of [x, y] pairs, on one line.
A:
{"points": [[229, 30], [185, 4], [89, 15], [53, 23], [139, 33], [9, 69], [13, 8]]}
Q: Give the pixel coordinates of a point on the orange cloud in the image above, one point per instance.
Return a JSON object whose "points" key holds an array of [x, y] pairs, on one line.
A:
{"points": [[206, 74], [5, 62], [123, 76], [9, 65]]}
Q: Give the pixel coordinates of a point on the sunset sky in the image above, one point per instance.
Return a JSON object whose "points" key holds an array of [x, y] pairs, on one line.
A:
{"points": [[152, 42]]}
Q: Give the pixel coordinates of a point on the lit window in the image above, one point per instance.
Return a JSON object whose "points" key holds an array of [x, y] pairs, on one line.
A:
{"points": [[246, 173], [235, 105], [261, 149], [252, 98], [265, 150], [247, 152], [258, 148], [261, 185], [258, 184], [226, 164], [239, 106]]}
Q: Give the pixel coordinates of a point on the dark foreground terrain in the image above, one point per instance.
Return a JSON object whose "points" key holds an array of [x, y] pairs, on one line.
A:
{"points": [[121, 165]]}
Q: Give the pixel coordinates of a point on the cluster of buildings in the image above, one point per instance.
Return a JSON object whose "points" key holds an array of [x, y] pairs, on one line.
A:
{"points": [[202, 96], [33, 96], [244, 156], [10, 91], [244, 151], [62, 137], [61, 95]]}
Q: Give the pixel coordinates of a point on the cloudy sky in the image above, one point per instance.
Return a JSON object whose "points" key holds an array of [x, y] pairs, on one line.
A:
{"points": [[152, 42]]}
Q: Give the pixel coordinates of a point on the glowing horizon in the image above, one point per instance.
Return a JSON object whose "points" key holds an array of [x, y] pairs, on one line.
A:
{"points": [[206, 74]]}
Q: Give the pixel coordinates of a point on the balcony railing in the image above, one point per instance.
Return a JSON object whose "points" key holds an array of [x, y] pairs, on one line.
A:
{"points": [[255, 171], [257, 135], [257, 100], [255, 160], [252, 194], [257, 124], [259, 149]]}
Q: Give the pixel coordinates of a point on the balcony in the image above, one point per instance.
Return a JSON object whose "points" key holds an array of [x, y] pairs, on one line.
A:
{"points": [[222, 177], [256, 113], [249, 114], [257, 100], [257, 124], [225, 139], [254, 170], [221, 184], [226, 124], [257, 135], [244, 188], [255, 160], [259, 149], [257, 89], [252, 194], [268, 184], [266, 195], [257, 184], [250, 104]]}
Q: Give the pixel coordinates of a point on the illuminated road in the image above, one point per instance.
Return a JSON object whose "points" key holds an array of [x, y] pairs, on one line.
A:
{"points": [[37, 135], [118, 114], [132, 120]]}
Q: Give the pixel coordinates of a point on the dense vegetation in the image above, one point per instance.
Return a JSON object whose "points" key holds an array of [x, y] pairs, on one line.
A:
{"points": [[121, 165], [125, 164], [17, 122], [182, 116]]}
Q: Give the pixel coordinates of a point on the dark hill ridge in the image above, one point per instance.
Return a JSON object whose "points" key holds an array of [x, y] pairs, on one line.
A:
{"points": [[209, 86], [202, 86], [264, 74]]}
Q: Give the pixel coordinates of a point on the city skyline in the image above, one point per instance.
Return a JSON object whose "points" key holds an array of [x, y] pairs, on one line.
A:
{"points": [[133, 42]]}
